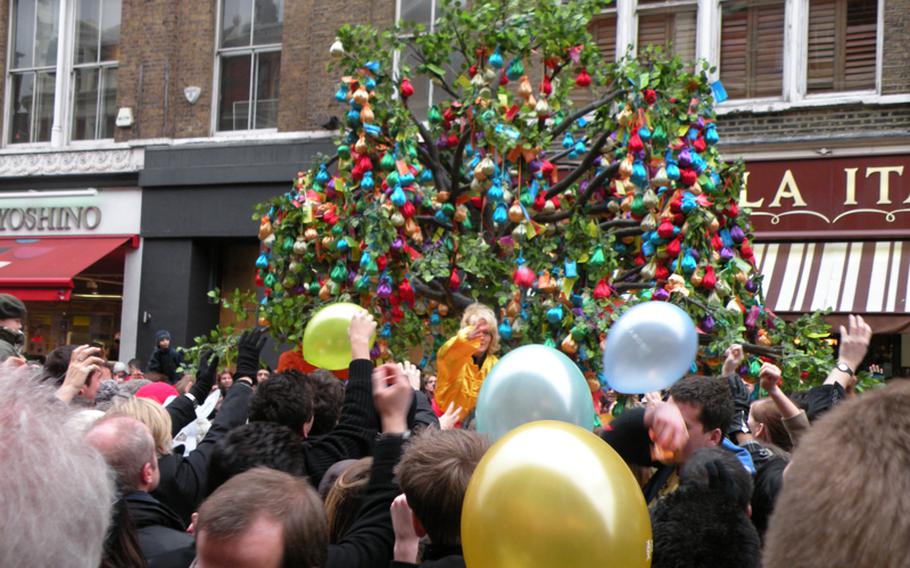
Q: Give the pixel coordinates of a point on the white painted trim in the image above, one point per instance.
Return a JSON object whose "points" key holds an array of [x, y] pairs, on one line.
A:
{"points": [[58, 135], [868, 98], [129, 310], [626, 28], [879, 45], [804, 154]]}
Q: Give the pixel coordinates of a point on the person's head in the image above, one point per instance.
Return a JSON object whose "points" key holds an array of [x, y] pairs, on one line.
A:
{"points": [[256, 444], [285, 399], [328, 396], [434, 473], [262, 375], [262, 519], [225, 381], [345, 497], [132, 387], [135, 366], [475, 313], [153, 415], [185, 383], [428, 384], [129, 449], [56, 365], [163, 339], [121, 371], [846, 492], [707, 407], [12, 312], [56, 490], [767, 424], [108, 393], [696, 472]]}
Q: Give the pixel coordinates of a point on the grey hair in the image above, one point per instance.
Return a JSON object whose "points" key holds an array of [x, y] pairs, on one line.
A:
{"points": [[56, 490], [126, 444]]}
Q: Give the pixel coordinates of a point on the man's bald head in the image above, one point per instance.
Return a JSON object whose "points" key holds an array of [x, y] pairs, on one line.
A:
{"points": [[129, 449]]}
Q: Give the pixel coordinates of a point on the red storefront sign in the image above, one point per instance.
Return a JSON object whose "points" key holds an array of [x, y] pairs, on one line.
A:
{"points": [[829, 198]]}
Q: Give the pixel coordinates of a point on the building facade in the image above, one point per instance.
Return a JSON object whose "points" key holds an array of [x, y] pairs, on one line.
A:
{"points": [[198, 110]]}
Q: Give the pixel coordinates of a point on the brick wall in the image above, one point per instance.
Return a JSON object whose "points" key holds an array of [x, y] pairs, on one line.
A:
{"points": [[895, 68], [309, 29], [823, 123]]}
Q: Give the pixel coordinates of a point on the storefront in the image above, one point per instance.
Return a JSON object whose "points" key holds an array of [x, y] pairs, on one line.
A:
{"points": [[198, 231], [71, 254], [834, 233]]}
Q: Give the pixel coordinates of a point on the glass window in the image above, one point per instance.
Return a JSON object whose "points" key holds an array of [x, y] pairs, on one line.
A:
{"points": [[33, 70], [249, 57], [97, 46], [752, 48], [672, 30], [841, 50]]}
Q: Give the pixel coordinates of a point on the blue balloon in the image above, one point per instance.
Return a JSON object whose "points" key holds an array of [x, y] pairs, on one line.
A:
{"points": [[533, 382], [649, 348]]}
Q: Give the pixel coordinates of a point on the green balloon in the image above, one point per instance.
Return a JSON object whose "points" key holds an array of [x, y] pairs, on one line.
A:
{"points": [[325, 340]]}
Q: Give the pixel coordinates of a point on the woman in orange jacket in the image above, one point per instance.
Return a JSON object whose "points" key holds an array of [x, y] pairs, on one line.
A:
{"points": [[465, 360]]}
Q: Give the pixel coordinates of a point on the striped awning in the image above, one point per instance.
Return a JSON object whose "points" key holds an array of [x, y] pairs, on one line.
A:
{"points": [[847, 277]]}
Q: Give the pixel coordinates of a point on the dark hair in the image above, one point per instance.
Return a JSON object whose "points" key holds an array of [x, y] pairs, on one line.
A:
{"points": [[695, 472], [434, 473], [285, 399], [281, 498], [709, 393], [694, 527], [328, 396], [56, 364], [256, 444], [135, 364], [121, 547], [345, 497]]}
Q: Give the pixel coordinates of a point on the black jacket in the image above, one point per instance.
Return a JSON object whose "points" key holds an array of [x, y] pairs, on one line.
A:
{"points": [[355, 433], [368, 543], [165, 361], [159, 530], [183, 479], [437, 557]]}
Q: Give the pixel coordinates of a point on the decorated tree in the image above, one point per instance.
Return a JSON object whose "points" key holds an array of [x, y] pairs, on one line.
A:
{"points": [[558, 213]]}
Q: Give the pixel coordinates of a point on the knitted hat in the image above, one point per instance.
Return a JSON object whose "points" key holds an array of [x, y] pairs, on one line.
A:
{"points": [[11, 307], [158, 392], [162, 334]]}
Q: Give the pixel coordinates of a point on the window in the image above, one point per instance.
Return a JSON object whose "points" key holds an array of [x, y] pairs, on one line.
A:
{"points": [[249, 62], [670, 28], [752, 48], [33, 69], [88, 70], [97, 49], [842, 45]]}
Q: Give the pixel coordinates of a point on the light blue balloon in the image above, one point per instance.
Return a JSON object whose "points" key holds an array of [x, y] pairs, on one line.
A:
{"points": [[649, 348], [533, 382]]}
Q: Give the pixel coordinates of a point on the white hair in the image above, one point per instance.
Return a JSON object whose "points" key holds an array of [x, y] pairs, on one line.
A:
{"points": [[57, 491]]}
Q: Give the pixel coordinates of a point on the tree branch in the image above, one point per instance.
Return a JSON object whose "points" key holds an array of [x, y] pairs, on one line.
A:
{"points": [[585, 164], [433, 153], [455, 172], [773, 352], [565, 124], [440, 293], [432, 219]]}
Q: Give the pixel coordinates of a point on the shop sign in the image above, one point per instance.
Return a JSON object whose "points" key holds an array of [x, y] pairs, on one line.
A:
{"points": [[829, 197], [13, 219]]}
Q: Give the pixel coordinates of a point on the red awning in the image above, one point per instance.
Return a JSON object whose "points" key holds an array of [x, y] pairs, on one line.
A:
{"points": [[42, 268]]}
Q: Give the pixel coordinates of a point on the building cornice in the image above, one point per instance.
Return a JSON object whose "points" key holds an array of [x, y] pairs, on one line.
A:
{"points": [[73, 161]]}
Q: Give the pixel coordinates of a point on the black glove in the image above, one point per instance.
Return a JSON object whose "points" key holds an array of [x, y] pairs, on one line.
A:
{"points": [[739, 424], [205, 375], [248, 349]]}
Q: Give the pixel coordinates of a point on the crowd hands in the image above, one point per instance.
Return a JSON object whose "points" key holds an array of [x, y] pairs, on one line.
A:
{"points": [[296, 469]]}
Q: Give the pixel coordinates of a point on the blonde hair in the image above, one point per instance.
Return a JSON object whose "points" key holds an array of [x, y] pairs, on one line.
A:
{"points": [[152, 415], [478, 311]]}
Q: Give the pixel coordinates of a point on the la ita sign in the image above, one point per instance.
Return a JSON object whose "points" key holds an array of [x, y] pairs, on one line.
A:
{"points": [[829, 197]]}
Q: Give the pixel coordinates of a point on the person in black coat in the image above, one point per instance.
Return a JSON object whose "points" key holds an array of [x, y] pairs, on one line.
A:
{"points": [[165, 358], [129, 449]]}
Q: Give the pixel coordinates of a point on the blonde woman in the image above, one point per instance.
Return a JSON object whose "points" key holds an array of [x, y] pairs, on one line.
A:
{"points": [[465, 360]]}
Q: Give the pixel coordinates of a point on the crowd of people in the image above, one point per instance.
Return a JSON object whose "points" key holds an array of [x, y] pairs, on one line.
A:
{"points": [[103, 465]]}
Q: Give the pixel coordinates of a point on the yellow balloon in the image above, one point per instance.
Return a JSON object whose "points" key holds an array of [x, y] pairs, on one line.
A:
{"points": [[551, 494], [325, 339]]}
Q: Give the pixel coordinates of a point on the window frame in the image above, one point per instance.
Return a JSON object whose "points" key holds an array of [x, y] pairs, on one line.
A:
{"points": [[64, 94], [795, 64], [100, 65], [254, 51]]}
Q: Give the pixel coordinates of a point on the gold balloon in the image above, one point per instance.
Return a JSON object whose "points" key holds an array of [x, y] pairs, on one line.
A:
{"points": [[551, 494]]}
